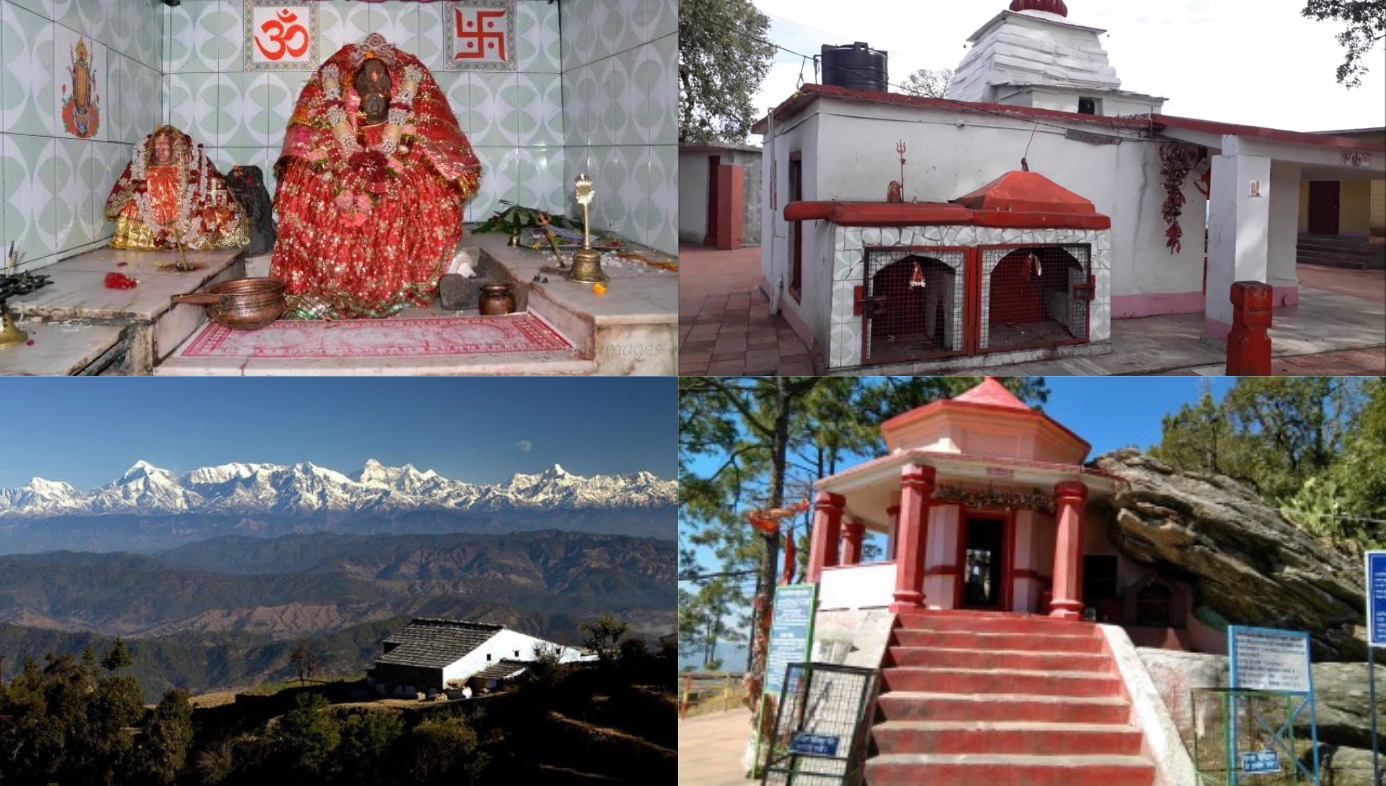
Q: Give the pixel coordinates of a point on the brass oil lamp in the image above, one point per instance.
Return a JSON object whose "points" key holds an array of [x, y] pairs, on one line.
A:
{"points": [[587, 261]]}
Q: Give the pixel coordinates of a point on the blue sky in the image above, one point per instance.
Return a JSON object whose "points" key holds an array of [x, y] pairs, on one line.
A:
{"points": [[87, 432]]}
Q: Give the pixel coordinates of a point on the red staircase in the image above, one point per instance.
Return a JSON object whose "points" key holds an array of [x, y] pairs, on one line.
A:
{"points": [[1002, 700]]}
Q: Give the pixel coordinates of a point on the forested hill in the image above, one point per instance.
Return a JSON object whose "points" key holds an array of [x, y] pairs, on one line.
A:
{"points": [[226, 612]]}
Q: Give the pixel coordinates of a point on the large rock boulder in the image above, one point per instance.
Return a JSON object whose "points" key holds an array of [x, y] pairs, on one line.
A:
{"points": [[1245, 562], [1339, 766], [1344, 713]]}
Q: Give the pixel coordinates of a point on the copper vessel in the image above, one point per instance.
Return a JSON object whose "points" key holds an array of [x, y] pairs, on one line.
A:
{"points": [[496, 300], [242, 303]]}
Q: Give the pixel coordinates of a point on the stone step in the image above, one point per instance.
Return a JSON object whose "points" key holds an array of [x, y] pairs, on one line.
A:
{"points": [[1364, 249], [1000, 681], [998, 659], [1342, 240], [939, 706], [1008, 737], [1339, 254], [1332, 261], [996, 623], [997, 641], [911, 769]]}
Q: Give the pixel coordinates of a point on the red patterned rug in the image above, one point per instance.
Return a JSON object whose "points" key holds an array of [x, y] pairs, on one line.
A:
{"points": [[374, 338]]}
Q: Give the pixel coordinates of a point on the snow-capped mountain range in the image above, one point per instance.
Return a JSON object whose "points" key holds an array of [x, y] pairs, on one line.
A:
{"points": [[307, 489]]}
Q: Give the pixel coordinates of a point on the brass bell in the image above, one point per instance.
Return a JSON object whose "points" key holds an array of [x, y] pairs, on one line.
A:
{"points": [[587, 267]]}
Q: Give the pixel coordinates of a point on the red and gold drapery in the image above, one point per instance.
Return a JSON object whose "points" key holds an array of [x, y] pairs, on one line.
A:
{"points": [[185, 201], [369, 215]]}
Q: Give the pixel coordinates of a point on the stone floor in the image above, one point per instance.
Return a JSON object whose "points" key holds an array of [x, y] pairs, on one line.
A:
{"points": [[1347, 363], [725, 327], [711, 747], [1339, 328]]}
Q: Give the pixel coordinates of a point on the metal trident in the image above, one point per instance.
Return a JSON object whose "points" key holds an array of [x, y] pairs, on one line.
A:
{"points": [[900, 148]]}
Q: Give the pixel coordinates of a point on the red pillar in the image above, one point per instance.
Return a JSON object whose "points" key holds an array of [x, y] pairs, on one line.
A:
{"points": [[827, 526], [894, 538], [731, 187], [851, 542], [916, 488], [1248, 345], [1068, 550]]}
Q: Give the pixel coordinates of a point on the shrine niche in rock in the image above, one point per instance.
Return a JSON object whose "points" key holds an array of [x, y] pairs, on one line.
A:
{"points": [[338, 166]]}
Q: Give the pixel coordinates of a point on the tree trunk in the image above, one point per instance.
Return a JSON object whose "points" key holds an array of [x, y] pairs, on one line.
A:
{"points": [[769, 556]]}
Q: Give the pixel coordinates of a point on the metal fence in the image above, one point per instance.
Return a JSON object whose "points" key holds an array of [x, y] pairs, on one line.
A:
{"points": [[1034, 296], [1262, 726], [703, 693], [819, 737], [914, 304]]}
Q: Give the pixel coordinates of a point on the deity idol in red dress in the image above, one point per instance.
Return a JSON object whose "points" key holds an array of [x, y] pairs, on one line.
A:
{"points": [[372, 181], [171, 195]]}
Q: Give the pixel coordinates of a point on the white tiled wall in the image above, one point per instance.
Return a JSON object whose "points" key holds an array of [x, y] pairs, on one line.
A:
{"points": [[514, 119], [54, 184], [620, 98]]}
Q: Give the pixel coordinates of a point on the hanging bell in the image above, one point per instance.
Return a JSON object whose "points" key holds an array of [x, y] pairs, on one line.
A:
{"points": [[917, 278]]}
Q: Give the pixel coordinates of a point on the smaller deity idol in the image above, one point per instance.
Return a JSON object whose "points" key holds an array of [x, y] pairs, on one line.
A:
{"points": [[171, 195]]}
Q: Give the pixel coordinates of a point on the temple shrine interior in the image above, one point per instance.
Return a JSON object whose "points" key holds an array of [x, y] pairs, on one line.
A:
{"points": [[440, 230]]}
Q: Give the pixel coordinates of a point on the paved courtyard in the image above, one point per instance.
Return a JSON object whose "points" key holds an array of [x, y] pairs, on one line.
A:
{"points": [[711, 747], [1338, 329]]}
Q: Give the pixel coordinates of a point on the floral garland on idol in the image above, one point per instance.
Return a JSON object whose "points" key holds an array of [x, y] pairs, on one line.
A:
{"points": [[987, 498]]}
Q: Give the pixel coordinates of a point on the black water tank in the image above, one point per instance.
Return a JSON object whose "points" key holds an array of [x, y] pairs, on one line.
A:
{"points": [[857, 66]]}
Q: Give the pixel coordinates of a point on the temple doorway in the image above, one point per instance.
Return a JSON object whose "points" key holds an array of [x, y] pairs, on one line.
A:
{"points": [[983, 542]]}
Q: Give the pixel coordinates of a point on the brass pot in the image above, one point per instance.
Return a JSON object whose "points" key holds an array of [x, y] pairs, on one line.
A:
{"points": [[242, 303], [496, 300]]}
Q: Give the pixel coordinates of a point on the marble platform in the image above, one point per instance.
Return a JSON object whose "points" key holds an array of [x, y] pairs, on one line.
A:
{"points": [[145, 317], [630, 330], [62, 349]]}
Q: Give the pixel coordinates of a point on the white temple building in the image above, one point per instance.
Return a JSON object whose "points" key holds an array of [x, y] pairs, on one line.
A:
{"points": [[988, 259]]}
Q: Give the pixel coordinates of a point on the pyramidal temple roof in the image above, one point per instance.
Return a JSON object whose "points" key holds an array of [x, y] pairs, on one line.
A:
{"points": [[1026, 192], [932, 423], [992, 393]]}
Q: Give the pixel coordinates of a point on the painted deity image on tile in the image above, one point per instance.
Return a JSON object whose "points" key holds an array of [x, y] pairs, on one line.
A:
{"points": [[82, 101]]}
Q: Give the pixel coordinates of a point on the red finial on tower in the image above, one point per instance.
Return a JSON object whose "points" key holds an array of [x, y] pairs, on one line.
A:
{"points": [[1052, 6]]}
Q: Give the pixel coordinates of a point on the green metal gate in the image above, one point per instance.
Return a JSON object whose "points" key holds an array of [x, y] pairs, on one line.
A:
{"points": [[819, 738]]}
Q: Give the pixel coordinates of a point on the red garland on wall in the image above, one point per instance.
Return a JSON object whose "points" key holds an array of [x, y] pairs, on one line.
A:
{"points": [[1176, 161]]}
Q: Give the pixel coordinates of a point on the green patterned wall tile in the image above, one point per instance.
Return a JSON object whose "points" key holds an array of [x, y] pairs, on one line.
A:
{"points": [[28, 188], [29, 83]]}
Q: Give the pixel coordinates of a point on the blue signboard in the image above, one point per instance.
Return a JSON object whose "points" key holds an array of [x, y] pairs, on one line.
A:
{"points": [[791, 632], [1267, 659], [806, 744], [1257, 762], [1376, 598]]}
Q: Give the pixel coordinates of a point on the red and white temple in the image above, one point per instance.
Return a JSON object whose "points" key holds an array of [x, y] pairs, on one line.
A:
{"points": [[978, 616], [985, 504]]}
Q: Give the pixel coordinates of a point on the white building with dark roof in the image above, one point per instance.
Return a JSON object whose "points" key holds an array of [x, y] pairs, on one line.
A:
{"points": [[430, 655]]}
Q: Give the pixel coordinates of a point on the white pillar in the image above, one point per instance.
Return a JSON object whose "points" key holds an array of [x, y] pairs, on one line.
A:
{"points": [[1284, 233], [1238, 230]]}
